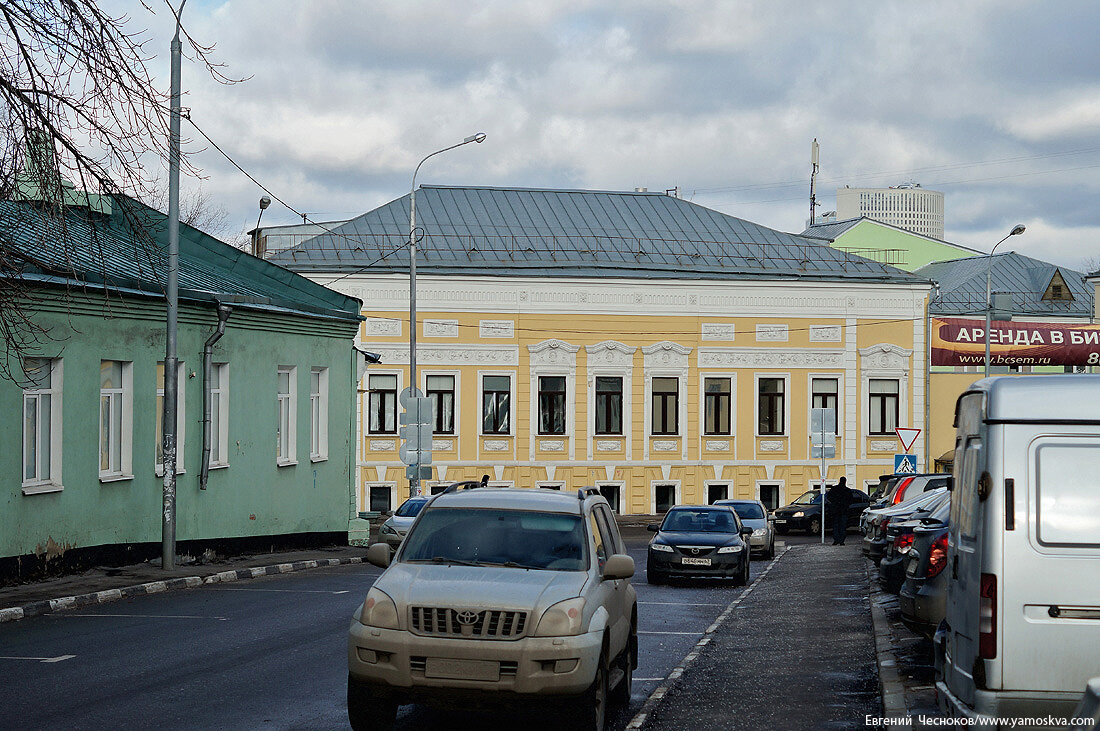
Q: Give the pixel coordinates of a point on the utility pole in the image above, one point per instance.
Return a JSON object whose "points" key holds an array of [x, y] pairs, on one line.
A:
{"points": [[814, 148], [171, 364]]}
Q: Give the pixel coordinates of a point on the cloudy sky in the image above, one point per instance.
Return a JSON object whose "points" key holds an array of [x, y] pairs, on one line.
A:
{"points": [[997, 104]]}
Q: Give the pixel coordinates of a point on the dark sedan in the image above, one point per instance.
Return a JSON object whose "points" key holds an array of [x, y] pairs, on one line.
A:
{"points": [[805, 513], [923, 596], [899, 540], [699, 541]]}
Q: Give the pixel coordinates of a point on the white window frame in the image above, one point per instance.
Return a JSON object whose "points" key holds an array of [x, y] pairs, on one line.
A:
{"points": [[730, 488], [559, 484], [456, 407], [391, 486], [125, 396], [511, 375], [318, 415], [900, 423], [52, 481], [676, 494], [681, 404], [839, 378], [396, 403], [786, 378], [181, 421], [221, 417], [621, 484], [781, 497], [289, 402]]}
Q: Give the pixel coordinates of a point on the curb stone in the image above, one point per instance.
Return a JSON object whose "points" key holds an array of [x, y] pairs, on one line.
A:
{"points": [[890, 686], [47, 606]]}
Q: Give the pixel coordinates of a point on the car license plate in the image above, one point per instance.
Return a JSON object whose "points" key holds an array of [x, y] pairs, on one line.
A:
{"points": [[439, 667], [780, 520], [696, 561]]}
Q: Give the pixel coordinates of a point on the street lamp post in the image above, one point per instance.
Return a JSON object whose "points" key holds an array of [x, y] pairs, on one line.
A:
{"points": [[171, 363], [414, 482], [1016, 231]]}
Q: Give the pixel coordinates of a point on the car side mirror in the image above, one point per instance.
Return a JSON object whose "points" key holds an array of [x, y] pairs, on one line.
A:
{"points": [[746, 531], [653, 527], [771, 518], [379, 555], [618, 566]]}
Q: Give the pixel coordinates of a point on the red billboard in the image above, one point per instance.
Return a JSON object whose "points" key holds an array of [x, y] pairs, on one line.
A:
{"points": [[959, 342]]}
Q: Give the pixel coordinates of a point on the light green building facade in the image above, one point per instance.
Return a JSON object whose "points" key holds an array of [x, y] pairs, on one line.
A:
{"points": [[79, 479], [888, 244]]}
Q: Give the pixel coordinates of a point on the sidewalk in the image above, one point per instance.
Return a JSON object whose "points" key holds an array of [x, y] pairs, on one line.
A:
{"points": [[34, 598], [797, 653]]}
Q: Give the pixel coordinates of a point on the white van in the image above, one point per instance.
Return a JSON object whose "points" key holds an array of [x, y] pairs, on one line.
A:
{"points": [[1023, 608]]}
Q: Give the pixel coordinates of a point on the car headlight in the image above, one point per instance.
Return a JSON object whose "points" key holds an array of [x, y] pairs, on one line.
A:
{"points": [[660, 547], [730, 549], [799, 514], [760, 531], [379, 610], [562, 619], [387, 530]]}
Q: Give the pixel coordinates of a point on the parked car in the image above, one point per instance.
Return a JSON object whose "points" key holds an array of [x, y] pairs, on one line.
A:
{"points": [[754, 515], [923, 596], [900, 536], [877, 521], [699, 541], [1023, 607], [498, 596], [805, 513], [393, 530], [885, 485]]}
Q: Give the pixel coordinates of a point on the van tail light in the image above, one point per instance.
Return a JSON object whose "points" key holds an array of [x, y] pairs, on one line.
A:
{"points": [[900, 494], [903, 542], [987, 617], [937, 556]]}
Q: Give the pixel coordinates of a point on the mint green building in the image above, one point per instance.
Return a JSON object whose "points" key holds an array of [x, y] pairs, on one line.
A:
{"points": [[886, 243], [80, 481]]}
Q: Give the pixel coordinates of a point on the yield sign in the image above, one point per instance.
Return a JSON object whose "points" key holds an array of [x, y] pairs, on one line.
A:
{"points": [[907, 436]]}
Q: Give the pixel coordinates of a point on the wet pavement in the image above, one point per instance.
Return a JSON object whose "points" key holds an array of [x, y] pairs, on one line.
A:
{"points": [[797, 653]]}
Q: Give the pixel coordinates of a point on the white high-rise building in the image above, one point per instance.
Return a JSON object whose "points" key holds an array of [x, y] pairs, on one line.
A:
{"points": [[907, 206]]}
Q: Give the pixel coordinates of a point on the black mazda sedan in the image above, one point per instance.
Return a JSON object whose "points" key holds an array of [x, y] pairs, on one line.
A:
{"points": [[699, 541]]}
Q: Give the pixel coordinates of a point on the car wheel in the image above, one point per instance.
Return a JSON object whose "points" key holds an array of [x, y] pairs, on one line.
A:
{"points": [[592, 709], [815, 526], [368, 710], [655, 578], [621, 693]]}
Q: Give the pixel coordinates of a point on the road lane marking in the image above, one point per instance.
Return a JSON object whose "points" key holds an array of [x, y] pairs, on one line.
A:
{"points": [[146, 616], [59, 658], [683, 604], [281, 591], [648, 680], [659, 692], [694, 634]]}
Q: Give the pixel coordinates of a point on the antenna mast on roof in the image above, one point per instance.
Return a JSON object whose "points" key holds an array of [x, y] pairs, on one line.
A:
{"points": [[813, 178]]}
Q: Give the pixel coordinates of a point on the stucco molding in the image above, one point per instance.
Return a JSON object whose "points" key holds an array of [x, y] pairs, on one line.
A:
{"points": [[383, 445], [610, 353], [495, 445], [439, 354], [772, 445], [553, 352], [885, 357], [790, 358], [609, 445]]}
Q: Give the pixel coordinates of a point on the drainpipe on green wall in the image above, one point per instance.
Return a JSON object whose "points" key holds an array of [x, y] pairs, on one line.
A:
{"points": [[207, 371]]}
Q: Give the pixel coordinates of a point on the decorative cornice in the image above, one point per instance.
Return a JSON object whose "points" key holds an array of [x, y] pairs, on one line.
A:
{"points": [[666, 346], [885, 357], [610, 353], [553, 352], [666, 354], [793, 358], [439, 354]]}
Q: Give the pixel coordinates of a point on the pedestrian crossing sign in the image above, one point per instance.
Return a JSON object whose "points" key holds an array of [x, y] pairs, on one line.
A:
{"points": [[905, 464]]}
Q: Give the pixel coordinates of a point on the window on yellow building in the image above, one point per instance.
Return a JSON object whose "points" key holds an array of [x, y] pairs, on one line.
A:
{"points": [[551, 404], [382, 404], [609, 405], [771, 406], [441, 392], [883, 417], [496, 405], [716, 408], [666, 407], [825, 397]]}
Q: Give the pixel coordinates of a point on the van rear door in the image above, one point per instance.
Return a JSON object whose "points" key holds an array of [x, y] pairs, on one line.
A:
{"points": [[965, 550], [1051, 586]]}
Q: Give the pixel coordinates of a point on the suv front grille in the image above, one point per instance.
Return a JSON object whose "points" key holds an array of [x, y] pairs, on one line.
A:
{"points": [[486, 624]]}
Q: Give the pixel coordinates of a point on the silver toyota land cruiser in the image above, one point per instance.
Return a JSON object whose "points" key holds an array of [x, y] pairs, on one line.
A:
{"points": [[498, 595]]}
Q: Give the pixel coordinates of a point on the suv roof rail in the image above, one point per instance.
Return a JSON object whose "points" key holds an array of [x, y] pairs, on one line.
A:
{"points": [[585, 492], [463, 485]]}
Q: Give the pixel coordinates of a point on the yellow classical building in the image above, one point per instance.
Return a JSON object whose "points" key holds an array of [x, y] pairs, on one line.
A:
{"points": [[661, 351]]}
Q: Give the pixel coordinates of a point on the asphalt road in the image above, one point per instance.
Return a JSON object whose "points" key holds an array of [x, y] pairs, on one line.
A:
{"points": [[267, 653]]}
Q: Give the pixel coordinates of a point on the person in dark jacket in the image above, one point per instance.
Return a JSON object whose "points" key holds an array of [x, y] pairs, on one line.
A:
{"points": [[838, 499]]}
